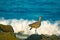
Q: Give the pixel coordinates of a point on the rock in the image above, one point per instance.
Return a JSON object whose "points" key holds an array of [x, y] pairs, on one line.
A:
{"points": [[6, 36], [7, 32], [34, 37], [6, 28]]}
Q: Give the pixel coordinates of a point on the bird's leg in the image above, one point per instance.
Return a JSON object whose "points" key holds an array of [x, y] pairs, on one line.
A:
{"points": [[35, 31]]}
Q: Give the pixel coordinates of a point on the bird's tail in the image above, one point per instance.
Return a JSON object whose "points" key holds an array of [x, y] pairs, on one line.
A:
{"points": [[30, 28]]}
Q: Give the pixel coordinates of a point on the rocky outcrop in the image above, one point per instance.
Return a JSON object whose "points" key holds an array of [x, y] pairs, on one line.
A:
{"points": [[6, 36], [6, 28], [7, 32], [34, 37]]}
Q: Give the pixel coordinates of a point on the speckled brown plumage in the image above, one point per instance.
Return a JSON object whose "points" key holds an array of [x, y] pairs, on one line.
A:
{"points": [[36, 24]]}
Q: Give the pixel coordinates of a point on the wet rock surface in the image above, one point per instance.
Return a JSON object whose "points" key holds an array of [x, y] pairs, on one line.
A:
{"points": [[34, 37], [7, 32]]}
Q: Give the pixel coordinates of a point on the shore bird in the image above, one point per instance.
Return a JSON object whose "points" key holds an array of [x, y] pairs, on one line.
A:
{"points": [[36, 24]]}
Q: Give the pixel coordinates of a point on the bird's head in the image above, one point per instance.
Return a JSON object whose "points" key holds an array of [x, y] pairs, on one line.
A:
{"points": [[40, 17]]}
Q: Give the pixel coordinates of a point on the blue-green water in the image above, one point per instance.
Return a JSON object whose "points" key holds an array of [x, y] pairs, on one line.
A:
{"points": [[30, 9]]}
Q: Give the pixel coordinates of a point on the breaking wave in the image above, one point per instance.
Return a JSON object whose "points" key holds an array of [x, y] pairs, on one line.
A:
{"points": [[22, 25]]}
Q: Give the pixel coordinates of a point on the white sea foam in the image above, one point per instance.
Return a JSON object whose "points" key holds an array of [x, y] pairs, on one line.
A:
{"points": [[22, 25]]}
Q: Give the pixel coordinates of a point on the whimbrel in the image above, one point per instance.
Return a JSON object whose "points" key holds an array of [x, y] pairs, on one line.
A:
{"points": [[36, 24]]}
